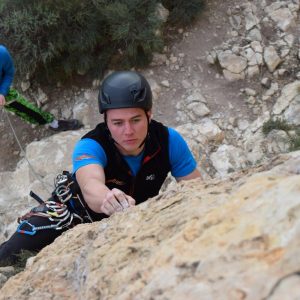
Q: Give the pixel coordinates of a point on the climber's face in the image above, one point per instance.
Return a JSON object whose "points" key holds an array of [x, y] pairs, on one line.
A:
{"points": [[128, 127]]}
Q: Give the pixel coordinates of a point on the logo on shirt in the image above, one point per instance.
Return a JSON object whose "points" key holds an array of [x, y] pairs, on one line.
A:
{"points": [[150, 177], [115, 181], [84, 156]]}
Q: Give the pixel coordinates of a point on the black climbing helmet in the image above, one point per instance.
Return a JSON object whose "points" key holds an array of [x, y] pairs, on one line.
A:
{"points": [[124, 89]]}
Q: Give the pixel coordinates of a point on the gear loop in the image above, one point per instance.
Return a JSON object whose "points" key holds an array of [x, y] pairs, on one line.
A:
{"points": [[64, 209]]}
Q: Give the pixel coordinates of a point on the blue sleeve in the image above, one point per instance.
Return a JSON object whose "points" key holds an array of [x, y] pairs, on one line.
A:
{"points": [[181, 158], [7, 71], [86, 152]]}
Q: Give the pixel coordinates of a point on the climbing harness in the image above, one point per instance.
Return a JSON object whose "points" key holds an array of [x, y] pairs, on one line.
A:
{"points": [[64, 209]]}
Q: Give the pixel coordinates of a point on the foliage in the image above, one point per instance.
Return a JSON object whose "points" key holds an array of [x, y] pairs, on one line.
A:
{"points": [[132, 27], [183, 12], [277, 124], [59, 38], [281, 124], [19, 263], [51, 36], [295, 141]]}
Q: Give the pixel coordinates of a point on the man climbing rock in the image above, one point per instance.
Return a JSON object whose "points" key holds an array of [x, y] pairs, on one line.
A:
{"points": [[121, 163]]}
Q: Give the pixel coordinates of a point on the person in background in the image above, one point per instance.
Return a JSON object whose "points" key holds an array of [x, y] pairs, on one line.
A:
{"points": [[12, 101]]}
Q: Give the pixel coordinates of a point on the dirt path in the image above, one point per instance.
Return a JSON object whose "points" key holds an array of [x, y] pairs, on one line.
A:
{"points": [[222, 96]]}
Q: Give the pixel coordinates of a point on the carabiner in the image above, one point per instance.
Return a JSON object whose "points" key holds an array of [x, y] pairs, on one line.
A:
{"points": [[33, 228]]}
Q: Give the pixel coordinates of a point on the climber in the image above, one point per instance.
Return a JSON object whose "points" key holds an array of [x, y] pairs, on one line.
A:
{"points": [[119, 164], [16, 103]]}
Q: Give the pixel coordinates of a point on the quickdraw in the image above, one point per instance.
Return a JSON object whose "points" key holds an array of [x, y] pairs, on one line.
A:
{"points": [[59, 209], [62, 190], [68, 192], [57, 213]]}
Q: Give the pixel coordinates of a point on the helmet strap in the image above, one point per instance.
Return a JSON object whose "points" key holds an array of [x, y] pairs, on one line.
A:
{"points": [[147, 135], [109, 134]]}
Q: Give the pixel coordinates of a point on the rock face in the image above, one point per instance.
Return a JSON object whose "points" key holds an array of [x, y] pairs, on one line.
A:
{"points": [[236, 238]]}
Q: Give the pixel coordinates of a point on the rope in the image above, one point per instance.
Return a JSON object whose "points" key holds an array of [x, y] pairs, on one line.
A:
{"points": [[37, 176]]}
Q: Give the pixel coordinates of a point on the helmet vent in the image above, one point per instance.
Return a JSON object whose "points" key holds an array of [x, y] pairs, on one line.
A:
{"points": [[138, 94], [105, 98]]}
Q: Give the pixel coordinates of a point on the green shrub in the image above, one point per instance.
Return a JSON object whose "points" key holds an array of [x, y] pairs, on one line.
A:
{"points": [[59, 38], [63, 37], [278, 124], [20, 262], [281, 124], [131, 28], [183, 12], [295, 141], [52, 37]]}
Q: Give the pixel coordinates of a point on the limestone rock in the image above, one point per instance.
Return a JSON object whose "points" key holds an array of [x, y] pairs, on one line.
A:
{"points": [[271, 58], [233, 76], [233, 239], [231, 62], [288, 93], [251, 21], [292, 113], [198, 110], [283, 18], [228, 158]]}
